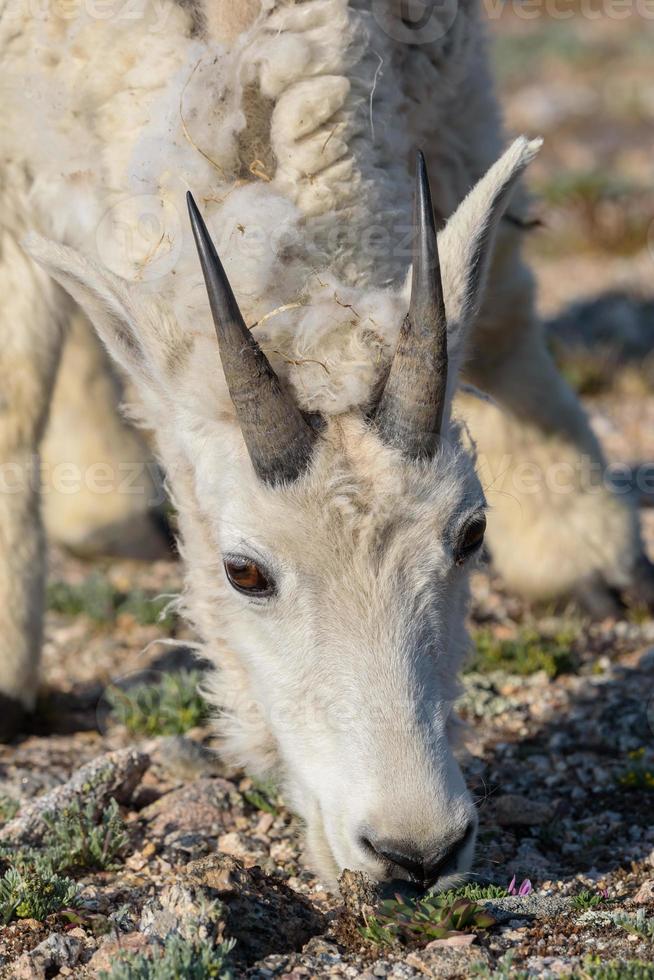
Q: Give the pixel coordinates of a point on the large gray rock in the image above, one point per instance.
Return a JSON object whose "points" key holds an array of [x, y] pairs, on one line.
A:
{"points": [[197, 807], [48, 958], [222, 899], [111, 776], [532, 906]]}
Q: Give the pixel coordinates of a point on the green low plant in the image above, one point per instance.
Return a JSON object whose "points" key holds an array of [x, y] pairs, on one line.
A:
{"points": [[525, 654], [191, 959], [639, 924], [639, 774], [98, 599], [148, 610], [9, 807], [423, 919], [596, 969], [34, 892], [95, 597], [83, 838], [170, 706], [262, 796], [586, 900], [79, 838], [474, 891]]}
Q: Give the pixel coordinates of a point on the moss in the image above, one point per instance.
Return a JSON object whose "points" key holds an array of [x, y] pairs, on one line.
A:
{"points": [[524, 654], [639, 775]]}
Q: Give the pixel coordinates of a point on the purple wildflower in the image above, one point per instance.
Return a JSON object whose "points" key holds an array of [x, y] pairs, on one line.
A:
{"points": [[525, 888]]}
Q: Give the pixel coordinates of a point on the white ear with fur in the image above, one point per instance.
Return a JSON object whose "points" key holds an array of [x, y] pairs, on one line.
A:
{"points": [[466, 243], [135, 332]]}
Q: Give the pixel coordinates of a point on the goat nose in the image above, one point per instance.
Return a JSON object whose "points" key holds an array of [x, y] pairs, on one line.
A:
{"points": [[424, 868]]}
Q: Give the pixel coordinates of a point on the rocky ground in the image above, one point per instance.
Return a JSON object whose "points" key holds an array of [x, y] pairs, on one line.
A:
{"points": [[559, 712]]}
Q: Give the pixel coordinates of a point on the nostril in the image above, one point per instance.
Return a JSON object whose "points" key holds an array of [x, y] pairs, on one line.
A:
{"points": [[446, 861], [396, 855]]}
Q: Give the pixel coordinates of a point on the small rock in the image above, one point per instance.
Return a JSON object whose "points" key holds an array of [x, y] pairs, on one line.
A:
{"points": [[243, 847], [645, 893], [265, 822], [518, 811], [110, 776], [183, 758], [53, 954], [133, 942], [513, 935], [198, 807], [528, 859], [282, 851], [178, 910], [551, 966], [327, 951], [358, 891], [447, 961]]}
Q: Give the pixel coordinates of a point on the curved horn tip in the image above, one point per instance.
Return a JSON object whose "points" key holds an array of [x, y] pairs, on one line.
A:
{"points": [[411, 407], [193, 210], [278, 438], [424, 206]]}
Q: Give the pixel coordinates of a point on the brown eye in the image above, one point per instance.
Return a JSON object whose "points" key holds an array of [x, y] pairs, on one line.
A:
{"points": [[247, 577], [471, 538]]}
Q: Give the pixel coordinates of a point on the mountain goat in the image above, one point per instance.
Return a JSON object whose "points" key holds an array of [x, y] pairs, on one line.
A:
{"points": [[330, 509]]}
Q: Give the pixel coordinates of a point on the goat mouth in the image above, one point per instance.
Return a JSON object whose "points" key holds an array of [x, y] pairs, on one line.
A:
{"points": [[392, 887]]}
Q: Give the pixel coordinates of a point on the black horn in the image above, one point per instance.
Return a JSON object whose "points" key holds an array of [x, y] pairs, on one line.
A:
{"points": [[409, 413], [278, 438]]}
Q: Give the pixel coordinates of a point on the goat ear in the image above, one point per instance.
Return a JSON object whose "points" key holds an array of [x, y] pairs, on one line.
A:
{"points": [[122, 319], [466, 243]]}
